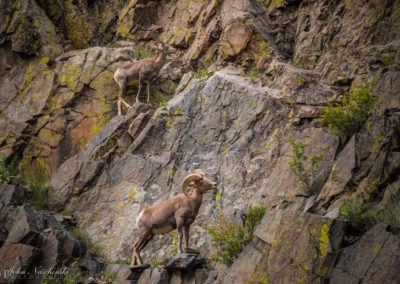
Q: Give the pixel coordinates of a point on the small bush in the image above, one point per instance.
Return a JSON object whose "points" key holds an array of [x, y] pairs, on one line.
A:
{"points": [[364, 210], [159, 98], [298, 168], [36, 181], [230, 238], [6, 172], [351, 112], [156, 263], [200, 73], [143, 52]]}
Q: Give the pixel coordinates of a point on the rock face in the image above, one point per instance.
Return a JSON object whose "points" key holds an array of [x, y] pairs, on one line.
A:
{"points": [[274, 66], [35, 241]]}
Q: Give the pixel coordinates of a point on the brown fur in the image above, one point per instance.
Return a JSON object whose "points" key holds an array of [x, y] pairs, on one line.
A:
{"points": [[179, 213], [143, 70]]}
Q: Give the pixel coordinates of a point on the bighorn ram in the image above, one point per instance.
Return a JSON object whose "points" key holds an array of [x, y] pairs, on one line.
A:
{"points": [[142, 70], [178, 213]]}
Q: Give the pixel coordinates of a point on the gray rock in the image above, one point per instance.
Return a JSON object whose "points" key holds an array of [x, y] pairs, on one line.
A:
{"points": [[27, 227], [363, 261], [155, 276], [185, 261], [14, 257]]}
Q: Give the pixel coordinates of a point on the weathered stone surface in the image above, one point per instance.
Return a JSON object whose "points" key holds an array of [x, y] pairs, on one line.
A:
{"points": [[156, 276], [341, 174], [375, 258], [185, 261], [191, 276], [28, 28], [10, 196], [27, 226], [291, 246], [235, 39], [14, 257]]}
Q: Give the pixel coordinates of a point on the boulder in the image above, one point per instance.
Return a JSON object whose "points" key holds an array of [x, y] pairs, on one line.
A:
{"points": [[289, 246], [185, 261], [375, 258], [27, 226], [155, 276], [16, 260]]}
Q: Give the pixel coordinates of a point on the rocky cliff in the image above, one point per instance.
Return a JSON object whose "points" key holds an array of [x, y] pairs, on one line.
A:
{"points": [[247, 77]]}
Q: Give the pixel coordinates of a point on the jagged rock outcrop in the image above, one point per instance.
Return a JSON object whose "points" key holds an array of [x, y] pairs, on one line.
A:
{"points": [[35, 243], [293, 247], [285, 60]]}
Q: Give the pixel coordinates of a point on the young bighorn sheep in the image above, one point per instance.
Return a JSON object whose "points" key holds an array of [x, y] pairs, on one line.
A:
{"points": [[178, 213], [142, 70]]}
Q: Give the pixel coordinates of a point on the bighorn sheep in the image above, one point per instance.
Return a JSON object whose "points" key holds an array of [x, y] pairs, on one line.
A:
{"points": [[178, 213], [142, 70]]}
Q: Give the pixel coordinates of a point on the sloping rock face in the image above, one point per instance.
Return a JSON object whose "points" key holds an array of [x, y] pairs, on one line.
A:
{"points": [[244, 132], [60, 106], [58, 113], [142, 158]]}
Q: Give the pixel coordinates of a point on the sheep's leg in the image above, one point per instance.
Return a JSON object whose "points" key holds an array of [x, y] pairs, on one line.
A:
{"points": [[139, 244], [140, 85], [122, 93], [119, 106], [186, 237], [125, 103], [144, 244], [179, 228], [148, 91]]}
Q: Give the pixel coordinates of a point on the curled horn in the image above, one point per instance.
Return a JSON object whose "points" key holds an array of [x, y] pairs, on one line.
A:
{"points": [[190, 178], [199, 172]]}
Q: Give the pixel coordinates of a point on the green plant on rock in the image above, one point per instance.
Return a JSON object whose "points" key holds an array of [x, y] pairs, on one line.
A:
{"points": [[350, 113], [231, 238], [364, 210], [159, 98], [156, 263], [200, 73], [36, 181], [297, 166], [6, 172], [143, 52]]}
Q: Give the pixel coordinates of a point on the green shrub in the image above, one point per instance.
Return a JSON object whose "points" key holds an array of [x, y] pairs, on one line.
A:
{"points": [[200, 73], [351, 112], [156, 263], [143, 52], [298, 168], [364, 210], [6, 172], [159, 98], [36, 181], [230, 238]]}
